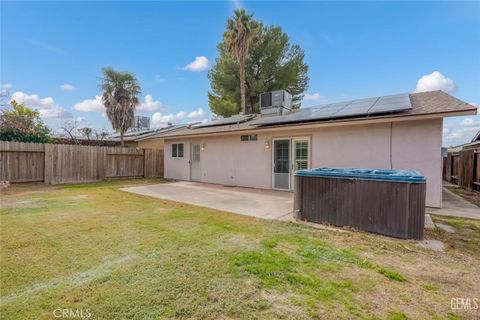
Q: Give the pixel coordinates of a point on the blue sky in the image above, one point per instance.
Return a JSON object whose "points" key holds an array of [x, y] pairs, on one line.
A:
{"points": [[52, 52]]}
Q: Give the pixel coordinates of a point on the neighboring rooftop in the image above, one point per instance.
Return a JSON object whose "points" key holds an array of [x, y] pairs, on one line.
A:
{"points": [[475, 143], [236, 119], [477, 137], [402, 105], [142, 134]]}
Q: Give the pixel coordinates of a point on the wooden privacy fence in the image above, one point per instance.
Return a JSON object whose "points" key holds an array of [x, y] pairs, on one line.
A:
{"points": [[463, 168], [60, 163]]}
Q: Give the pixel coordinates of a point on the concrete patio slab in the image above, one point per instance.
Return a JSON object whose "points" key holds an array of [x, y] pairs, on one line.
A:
{"points": [[266, 204], [445, 227], [455, 206], [429, 222]]}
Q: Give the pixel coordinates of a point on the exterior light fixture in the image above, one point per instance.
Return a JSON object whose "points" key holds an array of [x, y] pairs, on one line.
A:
{"points": [[203, 146], [267, 144]]}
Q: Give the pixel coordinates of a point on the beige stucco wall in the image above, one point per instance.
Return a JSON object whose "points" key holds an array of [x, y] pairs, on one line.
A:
{"points": [[153, 143], [401, 145], [419, 147]]}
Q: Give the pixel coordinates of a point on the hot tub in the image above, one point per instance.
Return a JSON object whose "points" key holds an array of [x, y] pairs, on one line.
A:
{"points": [[388, 202]]}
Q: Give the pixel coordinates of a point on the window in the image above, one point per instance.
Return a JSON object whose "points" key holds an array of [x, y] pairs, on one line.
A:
{"points": [[196, 153], [248, 137], [177, 150], [301, 155]]}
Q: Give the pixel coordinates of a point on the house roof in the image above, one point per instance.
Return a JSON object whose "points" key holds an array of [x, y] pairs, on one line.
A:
{"points": [[468, 145], [142, 134], [477, 137], [433, 103], [159, 132], [132, 135]]}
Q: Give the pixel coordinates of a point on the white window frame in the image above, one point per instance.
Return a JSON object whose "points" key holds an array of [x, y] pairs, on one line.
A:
{"points": [[292, 157], [183, 150]]}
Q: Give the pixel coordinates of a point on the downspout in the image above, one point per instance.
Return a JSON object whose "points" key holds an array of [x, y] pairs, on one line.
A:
{"points": [[391, 138]]}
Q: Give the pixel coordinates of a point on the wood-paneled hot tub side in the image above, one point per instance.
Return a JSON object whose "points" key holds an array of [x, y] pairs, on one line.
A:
{"points": [[368, 201]]}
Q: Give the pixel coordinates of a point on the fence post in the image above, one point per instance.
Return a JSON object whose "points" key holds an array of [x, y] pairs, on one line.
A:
{"points": [[145, 159], [102, 163], [465, 179], [448, 169], [48, 163], [476, 170]]}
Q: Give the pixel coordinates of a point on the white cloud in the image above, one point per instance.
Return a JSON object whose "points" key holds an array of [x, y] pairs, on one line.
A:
{"points": [[237, 4], [199, 113], [436, 81], [150, 105], [96, 105], [162, 120], [199, 64], [312, 97], [469, 122], [457, 133], [7, 86], [47, 107], [67, 87], [90, 105]]}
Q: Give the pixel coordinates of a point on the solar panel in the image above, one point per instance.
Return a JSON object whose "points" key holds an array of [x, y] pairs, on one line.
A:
{"points": [[360, 107], [356, 107], [225, 121], [391, 104]]}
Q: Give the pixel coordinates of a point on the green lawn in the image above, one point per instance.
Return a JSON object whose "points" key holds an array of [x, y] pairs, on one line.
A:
{"points": [[121, 255]]}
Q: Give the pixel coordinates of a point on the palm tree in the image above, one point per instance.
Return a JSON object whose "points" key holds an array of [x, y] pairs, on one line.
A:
{"points": [[120, 98], [240, 33]]}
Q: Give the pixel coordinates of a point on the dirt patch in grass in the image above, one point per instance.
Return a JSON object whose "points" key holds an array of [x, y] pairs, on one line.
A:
{"points": [[465, 239]]}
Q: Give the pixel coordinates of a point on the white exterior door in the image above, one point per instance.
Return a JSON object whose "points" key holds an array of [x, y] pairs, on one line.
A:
{"points": [[195, 169]]}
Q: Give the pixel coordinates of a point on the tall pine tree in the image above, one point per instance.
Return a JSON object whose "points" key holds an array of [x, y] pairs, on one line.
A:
{"points": [[273, 64]]}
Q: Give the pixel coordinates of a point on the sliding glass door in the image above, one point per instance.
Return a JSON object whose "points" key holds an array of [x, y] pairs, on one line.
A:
{"points": [[289, 155]]}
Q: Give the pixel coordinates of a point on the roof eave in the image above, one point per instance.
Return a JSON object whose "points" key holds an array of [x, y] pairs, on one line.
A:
{"points": [[343, 122], [159, 134]]}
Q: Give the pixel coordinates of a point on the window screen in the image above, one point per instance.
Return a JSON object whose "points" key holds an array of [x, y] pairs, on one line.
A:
{"points": [[282, 156]]}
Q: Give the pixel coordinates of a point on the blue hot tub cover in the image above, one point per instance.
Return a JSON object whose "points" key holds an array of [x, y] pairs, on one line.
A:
{"points": [[411, 176]]}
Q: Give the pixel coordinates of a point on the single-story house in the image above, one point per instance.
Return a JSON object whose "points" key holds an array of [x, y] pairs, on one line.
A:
{"points": [[264, 152]]}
